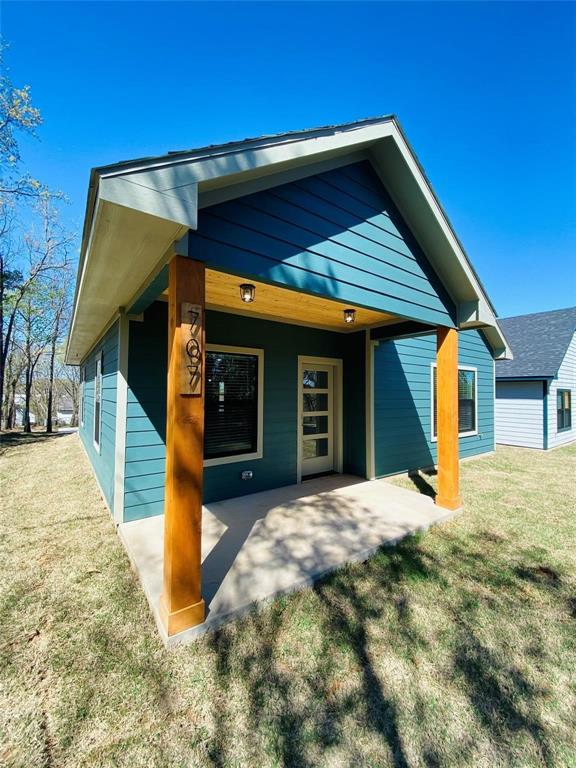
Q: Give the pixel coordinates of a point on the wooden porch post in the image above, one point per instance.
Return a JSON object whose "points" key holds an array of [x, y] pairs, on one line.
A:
{"points": [[181, 604], [447, 418]]}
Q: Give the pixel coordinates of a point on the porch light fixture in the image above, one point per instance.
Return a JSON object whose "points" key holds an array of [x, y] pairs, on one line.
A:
{"points": [[247, 292], [349, 316]]}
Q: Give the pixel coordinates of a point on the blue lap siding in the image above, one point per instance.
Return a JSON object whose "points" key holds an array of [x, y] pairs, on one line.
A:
{"points": [[337, 234], [282, 344], [402, 401], [102, 459]]}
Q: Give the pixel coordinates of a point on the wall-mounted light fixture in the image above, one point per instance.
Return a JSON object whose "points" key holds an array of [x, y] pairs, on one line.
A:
{"points": [[349, 316], [247, 292]]}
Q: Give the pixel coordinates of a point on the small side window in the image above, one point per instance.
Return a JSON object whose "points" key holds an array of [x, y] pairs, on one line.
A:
{"points": [[98, 400], [467, 401], [564, 409], [81, 394]]}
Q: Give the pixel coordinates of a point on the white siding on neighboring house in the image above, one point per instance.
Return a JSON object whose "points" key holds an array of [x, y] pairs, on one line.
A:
{"points": [[566, 379], [520, 413]]}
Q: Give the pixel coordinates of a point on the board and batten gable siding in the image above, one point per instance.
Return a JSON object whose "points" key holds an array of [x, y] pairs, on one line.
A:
{"points": [[403, 401], [102, 460], [520, 413], [335, 234], [282, 344], [566, 379]]}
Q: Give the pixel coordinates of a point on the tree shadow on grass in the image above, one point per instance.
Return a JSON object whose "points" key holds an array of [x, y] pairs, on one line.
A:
{"points": [[299, 730], [12, 440], [298, 711]]}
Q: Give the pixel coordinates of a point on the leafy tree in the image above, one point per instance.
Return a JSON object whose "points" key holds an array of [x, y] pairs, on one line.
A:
{"points": [[17, 114], [68, 377], [15, 365], [47, 252], [34, 256], [59, 307]]}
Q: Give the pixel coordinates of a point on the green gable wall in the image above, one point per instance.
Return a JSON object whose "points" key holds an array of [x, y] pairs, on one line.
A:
{"points": [[402, 401], [102, 460], [282, 344]]}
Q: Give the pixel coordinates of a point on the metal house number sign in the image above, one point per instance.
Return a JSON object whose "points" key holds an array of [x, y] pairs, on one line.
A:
{"points": [[191, 340]]}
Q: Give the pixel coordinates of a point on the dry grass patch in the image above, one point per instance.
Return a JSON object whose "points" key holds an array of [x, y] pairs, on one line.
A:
{"points": [[454, 649]]}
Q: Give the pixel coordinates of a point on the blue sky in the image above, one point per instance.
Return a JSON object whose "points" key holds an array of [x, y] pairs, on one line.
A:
{"points": [[486, 93]]}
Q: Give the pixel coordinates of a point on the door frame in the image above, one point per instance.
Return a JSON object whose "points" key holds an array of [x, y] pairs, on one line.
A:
{"points": [[338, 365]]}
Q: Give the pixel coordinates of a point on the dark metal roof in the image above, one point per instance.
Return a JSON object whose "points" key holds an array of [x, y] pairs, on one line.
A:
{"points": [[539, 343], [240, 144]]}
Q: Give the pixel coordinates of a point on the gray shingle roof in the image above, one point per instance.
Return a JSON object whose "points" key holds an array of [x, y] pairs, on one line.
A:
{"points": [[538, 342]]}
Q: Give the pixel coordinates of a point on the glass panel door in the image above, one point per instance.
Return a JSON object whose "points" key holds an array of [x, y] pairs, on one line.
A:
{"points": [[317, 409]]}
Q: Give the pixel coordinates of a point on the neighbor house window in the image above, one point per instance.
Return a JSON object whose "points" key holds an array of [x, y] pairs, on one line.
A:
{"points": [[467, 402], [564, 408], [98, 400], [233, 404]]}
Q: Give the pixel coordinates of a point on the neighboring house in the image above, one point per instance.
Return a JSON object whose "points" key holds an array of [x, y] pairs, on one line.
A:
{"points": [[65, 410], [535, 391], [20, 405], [252, 314]]}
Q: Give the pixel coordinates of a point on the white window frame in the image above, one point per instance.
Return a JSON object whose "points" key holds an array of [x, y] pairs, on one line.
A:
{"points": [[259, 453], [97, 375], [472, 433], [338, 389]]}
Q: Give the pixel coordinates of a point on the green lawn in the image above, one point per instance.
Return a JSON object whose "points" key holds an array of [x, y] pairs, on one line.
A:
{"points": [[457, 648]]}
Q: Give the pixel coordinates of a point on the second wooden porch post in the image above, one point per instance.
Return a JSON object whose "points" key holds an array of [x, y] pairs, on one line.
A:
{"points": [[181, 605], [447, 418]]}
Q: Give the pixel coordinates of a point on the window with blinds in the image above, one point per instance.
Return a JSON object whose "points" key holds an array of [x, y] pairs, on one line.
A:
{"points": [[97, 400], [231, 404], [81, 394], [564, 409], [466, 401]]}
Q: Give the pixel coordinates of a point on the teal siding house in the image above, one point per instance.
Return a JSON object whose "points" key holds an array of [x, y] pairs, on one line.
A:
{"points": [[251, 315]]}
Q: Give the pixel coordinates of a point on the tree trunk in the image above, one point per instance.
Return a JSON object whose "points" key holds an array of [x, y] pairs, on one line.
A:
{"points": [[2, 356], [26, 423], [51, 383], [10, 414]]}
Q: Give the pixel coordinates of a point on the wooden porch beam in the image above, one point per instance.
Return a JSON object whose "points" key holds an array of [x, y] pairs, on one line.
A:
{"points": [[447, 418], [181, 604]]}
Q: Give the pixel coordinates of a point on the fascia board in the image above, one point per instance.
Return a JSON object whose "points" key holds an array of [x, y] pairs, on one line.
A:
{"points": [[179, 206]]}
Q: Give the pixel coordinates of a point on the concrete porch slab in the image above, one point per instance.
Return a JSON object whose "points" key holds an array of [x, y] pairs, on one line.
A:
{"points": [[259, 546]]}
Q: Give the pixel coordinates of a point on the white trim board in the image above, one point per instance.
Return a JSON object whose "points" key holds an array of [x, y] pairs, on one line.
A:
{"points": [[369, 417], [121, 423]]}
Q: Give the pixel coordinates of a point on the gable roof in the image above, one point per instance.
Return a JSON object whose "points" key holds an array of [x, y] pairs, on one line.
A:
{"points": [[539, 342], [137, 209]]}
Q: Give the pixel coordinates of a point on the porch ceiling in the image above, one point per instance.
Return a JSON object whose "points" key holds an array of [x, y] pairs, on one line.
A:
{"points": [[284, 305]]}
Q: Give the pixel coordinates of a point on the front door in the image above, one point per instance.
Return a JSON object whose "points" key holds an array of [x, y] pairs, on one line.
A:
{"points": [[317, 414]]}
